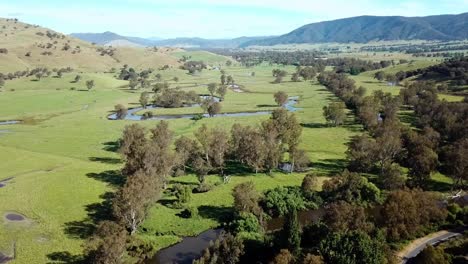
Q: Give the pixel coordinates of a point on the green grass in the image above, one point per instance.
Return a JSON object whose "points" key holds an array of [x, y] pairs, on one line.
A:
{"points": [[61, 163]]}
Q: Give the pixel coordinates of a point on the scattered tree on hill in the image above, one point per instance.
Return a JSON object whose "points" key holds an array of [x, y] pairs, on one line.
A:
{"points": [[295, 77], [89, 84], [158, 77], [279, 75], [280, 98], [230, 80], [223, 79], [176, 79], [335, 113], [380, 76], [133, 83], [77, 78]]}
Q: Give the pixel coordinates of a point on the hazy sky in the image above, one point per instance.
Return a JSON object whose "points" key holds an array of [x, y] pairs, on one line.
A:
{"points": [[208, 18]]}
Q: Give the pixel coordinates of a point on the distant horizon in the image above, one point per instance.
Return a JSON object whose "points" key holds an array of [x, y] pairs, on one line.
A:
{"points": [[209, 19]]}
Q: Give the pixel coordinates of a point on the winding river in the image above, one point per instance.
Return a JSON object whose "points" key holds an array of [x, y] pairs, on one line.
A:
{"points": [[131, 113]]}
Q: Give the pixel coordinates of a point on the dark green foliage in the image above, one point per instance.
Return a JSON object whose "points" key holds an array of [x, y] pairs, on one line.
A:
{"points": [[292, 233], [352, 248], [352, 188], [227, 249], [283, 200]]}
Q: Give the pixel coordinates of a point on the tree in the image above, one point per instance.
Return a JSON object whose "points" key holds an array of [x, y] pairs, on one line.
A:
{"points": [[186, 150], [352, 247], [335, 113], [407, 212], [380, 76], [133, 83], [176, 79], [295, 77], [432, 255], [282, 200], [360, 153], [212, 88], [133, 200], [218, 147], [313, 259], [310, 183], [392, 178], [352, 188], [230, 80], [214, 108], [144, 99], [280, 98], [120, 111], [272, 142], [39, 75], [283, 257], [222, 90], [228, 63], [246, 198], [344, 217], [388, 143], [2, 82], [292, 233], [133, 148], [77, 78], [279, 75], [108, 244], [248, 146], [457, 161], [182, 193], [223, 79], [158, 77], [227, 249], [89, 84], [159, 159]]}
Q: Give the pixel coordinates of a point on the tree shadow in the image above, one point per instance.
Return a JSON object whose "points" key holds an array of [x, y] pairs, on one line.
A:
{"points": [[267, 105], [107, 160], [438, 186], [330, 166], [112, 177], [112, 146], [234, 168], [219, 213], [97, 212], [65, 257], [315, 125]]}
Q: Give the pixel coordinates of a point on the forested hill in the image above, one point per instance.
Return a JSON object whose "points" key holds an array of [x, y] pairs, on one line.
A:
{"points": [[368, 28]]}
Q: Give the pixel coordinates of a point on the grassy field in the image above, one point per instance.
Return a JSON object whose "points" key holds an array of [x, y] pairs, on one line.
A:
{"points": [[63, 162], [63, 159], [205, 56]]}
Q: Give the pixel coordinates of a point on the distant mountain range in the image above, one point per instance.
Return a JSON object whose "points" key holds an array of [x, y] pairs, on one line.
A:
{"points": [[360, 29], [113, 39], [363, 29]]}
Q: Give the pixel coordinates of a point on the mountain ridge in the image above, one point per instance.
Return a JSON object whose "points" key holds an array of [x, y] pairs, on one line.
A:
{"points": [[363, 29]]}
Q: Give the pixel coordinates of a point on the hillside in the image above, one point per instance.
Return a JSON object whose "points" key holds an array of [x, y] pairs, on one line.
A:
{"points": [[109, 38], [24, 46], [371, 28]]}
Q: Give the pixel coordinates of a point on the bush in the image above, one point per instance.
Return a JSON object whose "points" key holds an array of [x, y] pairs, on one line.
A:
{"points": [[203, 187], [190, 212], [283, 200], [197, 117]]}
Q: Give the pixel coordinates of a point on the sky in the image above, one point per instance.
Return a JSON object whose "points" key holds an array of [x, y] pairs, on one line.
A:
{"points": [[208, 18]]}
